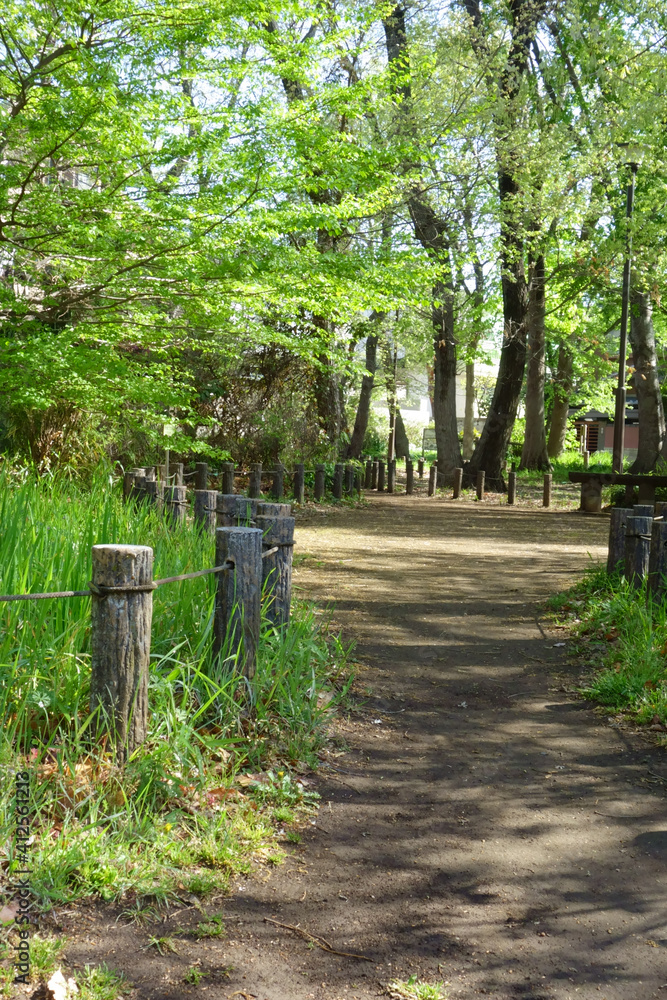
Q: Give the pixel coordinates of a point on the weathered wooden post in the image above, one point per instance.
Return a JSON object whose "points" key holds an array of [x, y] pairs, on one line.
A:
{"points": [[480, 484], [391, 475], [120, 643], [643, 510], [299, 483], [255, 482], [637, 548], [272, 509], [226, 506], [511, 487], [150, 474], [238, 596], [458, 483], [661, 509], [177, 473], [175, 504], [320, 482], [617, 526], [138, 487], [278, 482], [374, 474], [368, 479], [201, 476], [586, 458], [657, 564], [349, 480], [546, 490], [153, 493], [420, 467], [337, 488], [205, 509], [246, 511], [277, 568], [227, 483], [432, 473], [409, 477], [381, 471]]}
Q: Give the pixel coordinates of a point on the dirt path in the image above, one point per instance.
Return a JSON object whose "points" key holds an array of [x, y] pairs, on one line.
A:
{"points": [[482, 827], [489, 830]]}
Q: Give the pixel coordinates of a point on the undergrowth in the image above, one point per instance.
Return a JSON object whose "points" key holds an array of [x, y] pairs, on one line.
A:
{"points": [[218, 779], [621, 634]]}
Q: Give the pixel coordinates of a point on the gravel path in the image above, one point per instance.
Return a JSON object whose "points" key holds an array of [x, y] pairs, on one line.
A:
{"points": [[484, 828]]}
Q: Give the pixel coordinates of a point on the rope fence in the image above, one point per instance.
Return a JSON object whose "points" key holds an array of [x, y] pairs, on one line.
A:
{"points": [[253, 567]]}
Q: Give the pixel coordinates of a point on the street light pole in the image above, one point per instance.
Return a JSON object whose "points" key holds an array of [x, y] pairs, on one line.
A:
{"points": [[619, 415]]}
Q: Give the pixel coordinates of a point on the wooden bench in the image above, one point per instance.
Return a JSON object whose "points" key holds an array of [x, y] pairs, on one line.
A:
{"points": [[592, 483]]}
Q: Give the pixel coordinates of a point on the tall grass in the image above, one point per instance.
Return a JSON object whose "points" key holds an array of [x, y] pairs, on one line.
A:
{"points": [[177, 816], [622, 634]]}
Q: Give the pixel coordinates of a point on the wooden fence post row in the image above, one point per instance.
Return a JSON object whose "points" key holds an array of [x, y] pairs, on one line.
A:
{"points": [[122, 608], [638, 546]]}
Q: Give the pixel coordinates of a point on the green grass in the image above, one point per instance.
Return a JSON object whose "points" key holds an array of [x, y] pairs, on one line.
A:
{"points": [[415, 989], [182, 816], [621, 634]]}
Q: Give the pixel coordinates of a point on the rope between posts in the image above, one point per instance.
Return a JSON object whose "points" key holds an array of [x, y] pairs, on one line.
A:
{"points": [[98, 591]]}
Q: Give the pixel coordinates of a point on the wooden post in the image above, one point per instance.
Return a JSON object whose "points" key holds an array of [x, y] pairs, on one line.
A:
{"points": [[226, 507], [175, 504], [432, 472], [150, 474], [661, 509], [368, 479], [177, 472], [154, 493], [374, 474], [511, 488], [480, 484], [637, 548], [546, 490], [409, 477], [586, 458], [273, 509], [420, 468], [380, 476], [657, 565], [349, 480], [391, 476], [255, 483], [227, 484], [299, 483], [337, 489], [643, 510], [320, 482], [458, 483], [205, 509], [201, 476], [138, 488], [246, 512], [278, 486], [591, 496], [128, 482], [238, 596], [277, 568], [616, 550], [120, 643]]}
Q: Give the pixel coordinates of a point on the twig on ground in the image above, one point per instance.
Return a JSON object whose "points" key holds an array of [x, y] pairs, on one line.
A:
{"points": [[324, 945]]}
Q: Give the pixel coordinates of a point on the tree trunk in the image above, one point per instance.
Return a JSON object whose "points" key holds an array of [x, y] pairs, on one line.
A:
{"points": [[402, 442], [534, 452], [469, 415], [646, 384], [355, 447], [489, 455], [444, 390], [561, 403]]}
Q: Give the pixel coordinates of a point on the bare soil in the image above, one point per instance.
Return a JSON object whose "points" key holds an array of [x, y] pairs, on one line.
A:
{"points": [[479, 824]]}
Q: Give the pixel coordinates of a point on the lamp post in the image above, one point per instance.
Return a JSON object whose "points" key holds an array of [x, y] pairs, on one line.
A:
{"points": [[633, 159]]}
